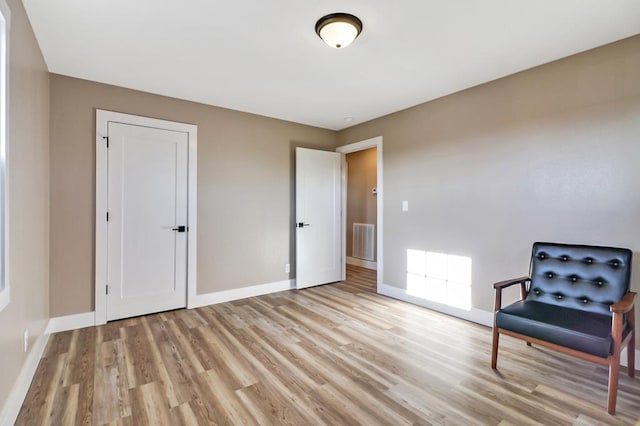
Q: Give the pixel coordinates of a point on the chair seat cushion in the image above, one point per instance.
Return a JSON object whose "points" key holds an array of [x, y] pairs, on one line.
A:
{"points": [[572, 328]]}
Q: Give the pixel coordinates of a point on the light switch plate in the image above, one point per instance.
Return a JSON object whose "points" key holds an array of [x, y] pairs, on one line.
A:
{"points": [[405, 206]]}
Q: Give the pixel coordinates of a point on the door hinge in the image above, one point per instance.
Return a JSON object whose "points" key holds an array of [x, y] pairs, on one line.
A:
{"points": [[106, 289], [106, 138]]}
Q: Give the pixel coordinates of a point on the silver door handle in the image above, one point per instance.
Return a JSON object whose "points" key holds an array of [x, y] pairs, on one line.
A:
{"points": [[302, 224]]}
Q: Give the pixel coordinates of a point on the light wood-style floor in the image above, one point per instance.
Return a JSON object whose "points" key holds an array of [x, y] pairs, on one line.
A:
{"points": [[337, 354]]}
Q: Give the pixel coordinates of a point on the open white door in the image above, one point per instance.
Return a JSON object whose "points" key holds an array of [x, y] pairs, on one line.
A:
{"points": [[318, 217], [147, 222]]}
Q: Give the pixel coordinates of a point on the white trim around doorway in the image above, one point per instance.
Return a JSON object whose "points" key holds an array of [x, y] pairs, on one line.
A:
{"points": [[102, 120], [360, 146]]}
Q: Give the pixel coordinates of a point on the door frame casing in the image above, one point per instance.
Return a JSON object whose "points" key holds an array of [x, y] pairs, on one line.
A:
{"points": [[375, 142], [101, 240]]}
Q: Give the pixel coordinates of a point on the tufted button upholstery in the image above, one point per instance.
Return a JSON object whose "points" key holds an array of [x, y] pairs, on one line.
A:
{"points": [[589, 278]]}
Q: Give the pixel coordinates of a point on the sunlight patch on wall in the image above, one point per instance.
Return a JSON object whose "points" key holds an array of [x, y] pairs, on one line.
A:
{"points": [[439, 277]]}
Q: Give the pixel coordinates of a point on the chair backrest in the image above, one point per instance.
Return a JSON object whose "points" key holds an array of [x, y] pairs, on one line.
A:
{"points": [[589, 278]]}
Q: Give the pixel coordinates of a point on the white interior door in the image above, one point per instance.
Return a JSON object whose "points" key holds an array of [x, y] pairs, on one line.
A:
{"points": [[318, 217], [147, 223]]}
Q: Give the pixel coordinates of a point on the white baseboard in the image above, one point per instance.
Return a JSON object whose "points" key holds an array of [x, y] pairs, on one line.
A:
{"points": [[87, 319], [14, 401], [240, 293], [474, 315], [623, 356], [71, 322], [361, 262]]}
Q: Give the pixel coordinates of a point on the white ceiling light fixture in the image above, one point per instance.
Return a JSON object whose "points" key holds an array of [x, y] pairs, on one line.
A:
{"points": [[338, 30]]}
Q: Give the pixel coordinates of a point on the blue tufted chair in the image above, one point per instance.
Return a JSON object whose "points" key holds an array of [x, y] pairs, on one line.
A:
{"points": [[576, 300]]}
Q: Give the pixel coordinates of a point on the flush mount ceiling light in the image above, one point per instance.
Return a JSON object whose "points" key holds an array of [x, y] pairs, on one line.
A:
{"points": [[338, 30]]}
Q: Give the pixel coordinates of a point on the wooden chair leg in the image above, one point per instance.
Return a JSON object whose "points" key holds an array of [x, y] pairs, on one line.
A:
{"points": [[496, 336], [614, 369], [631, 347], [631, 359], [614, 362], [494, 348]]}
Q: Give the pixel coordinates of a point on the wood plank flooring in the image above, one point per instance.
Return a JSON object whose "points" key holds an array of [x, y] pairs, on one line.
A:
{"points": [[336, 354]]}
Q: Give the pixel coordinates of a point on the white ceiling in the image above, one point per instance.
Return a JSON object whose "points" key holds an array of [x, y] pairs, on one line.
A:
{"points": [[263, 56]]}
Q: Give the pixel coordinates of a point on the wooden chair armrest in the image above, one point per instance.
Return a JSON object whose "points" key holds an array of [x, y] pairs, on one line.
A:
{"points": [[507, 283], [624, 305], [504, 284]]}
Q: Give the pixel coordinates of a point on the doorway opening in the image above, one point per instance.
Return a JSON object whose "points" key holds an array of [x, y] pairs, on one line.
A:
{"points": [[360, 208], [362, 225]]}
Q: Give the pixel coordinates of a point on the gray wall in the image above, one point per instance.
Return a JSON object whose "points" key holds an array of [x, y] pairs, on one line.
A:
{"points": [[28, 199], [549, 154], [245, 187]]}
